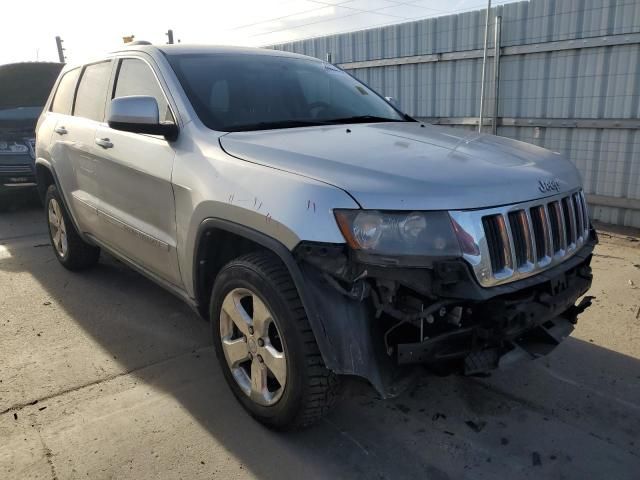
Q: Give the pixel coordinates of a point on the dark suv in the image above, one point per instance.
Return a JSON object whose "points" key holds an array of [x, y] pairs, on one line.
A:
{"points": [[24, 88]]}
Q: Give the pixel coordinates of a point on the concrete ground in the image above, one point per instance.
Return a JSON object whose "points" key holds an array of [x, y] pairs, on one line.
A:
{"points": [[104, 375]]}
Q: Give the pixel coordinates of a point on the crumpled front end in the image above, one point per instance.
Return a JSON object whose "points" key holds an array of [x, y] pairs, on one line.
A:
{"points": [[383, 319]]}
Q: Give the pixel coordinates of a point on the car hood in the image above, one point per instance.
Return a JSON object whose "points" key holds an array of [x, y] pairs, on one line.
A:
{"points": [[27, 84], [406, 166]]}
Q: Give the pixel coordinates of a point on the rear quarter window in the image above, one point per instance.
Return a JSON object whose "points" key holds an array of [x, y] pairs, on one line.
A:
{"points": [[63, 98]]}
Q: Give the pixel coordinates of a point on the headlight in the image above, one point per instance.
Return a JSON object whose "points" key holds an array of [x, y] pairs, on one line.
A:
{"points": [[399, 234], [12, 148]]}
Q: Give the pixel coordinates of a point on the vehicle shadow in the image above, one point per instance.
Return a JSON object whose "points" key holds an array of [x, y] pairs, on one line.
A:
{"points": [[19, 202], [573, 415]]}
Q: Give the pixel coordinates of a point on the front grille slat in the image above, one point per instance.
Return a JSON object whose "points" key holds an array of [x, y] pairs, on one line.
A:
{"points": [[522, 242], [579, 214], [569, 222], [540, 231], [585, 213], [555, 222], [495, 242], [15, 169]]}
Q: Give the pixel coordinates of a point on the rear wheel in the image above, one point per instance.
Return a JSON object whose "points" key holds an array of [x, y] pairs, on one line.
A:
{"points": [[71, 251], [265, 344]]}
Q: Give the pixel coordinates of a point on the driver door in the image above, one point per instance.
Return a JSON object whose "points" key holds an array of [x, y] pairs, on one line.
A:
{"points": [[137, 211]]}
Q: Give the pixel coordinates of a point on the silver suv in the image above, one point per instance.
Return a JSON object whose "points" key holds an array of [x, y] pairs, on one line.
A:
{"points": [[321, 231]]}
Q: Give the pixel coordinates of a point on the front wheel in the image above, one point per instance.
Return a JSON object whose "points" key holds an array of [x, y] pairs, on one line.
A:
{"points": [[265, 344]]}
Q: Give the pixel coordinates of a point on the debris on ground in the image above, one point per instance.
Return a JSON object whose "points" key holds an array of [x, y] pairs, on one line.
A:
{"points": [[535, 459], [476, 427]]}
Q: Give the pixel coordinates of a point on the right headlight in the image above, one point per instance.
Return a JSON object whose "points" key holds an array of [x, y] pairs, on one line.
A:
{"points": [[401, 234]]}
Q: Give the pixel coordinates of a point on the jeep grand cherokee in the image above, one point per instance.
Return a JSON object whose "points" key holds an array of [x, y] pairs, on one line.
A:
{"points": [[321, 231]]}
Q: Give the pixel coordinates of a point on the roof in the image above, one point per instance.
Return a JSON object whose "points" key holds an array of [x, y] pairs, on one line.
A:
{"points": [[187, 49]]}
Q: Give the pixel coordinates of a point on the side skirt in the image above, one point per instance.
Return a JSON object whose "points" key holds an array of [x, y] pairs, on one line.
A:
{"points": [[171, 288]]}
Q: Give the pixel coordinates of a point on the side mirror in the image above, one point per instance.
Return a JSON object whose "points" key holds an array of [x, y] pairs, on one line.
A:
{"points": [[139, 114]]}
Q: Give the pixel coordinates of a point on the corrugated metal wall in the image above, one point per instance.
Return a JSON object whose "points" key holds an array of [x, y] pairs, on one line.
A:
{"points": [[592, 74]]}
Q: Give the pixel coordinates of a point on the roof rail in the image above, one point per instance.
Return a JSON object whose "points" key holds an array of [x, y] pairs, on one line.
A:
{"points": [[139, 42]]}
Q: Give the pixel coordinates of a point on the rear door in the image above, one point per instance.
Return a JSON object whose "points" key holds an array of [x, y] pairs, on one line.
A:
{"points": [[74, 149], [137, 211]]}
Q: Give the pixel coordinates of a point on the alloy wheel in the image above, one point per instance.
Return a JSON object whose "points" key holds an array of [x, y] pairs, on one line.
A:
{"points": [[57, 228], [253, 346]]}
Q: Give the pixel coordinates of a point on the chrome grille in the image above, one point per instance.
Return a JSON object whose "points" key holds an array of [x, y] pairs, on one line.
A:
{"points": [[517, 241], [15, 169]]}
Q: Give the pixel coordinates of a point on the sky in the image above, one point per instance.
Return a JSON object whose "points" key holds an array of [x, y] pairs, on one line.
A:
{"points": [[90, 28]]}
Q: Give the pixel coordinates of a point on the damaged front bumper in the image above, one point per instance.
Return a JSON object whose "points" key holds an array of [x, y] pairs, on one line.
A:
{"points": [[379, 321]]}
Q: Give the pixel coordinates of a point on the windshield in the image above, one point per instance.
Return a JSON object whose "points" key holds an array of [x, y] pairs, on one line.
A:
{"points": [[258, 92]]}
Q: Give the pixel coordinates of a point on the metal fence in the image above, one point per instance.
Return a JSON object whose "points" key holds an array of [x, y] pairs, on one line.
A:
{"points": [[569, 80]]}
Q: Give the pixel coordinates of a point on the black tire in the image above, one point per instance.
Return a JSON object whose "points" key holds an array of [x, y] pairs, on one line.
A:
{"points": [[79, 254], [311, 390]]}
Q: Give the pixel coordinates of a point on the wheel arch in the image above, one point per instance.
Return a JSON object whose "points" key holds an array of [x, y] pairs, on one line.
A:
{"points": [[45, 177], [239, 239]]}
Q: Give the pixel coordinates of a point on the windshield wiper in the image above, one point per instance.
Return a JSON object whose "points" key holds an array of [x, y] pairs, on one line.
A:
{"points": [[364, 119], [275, 125]]}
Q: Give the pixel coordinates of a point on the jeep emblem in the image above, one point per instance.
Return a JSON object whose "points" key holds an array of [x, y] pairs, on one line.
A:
{"points": [[548, 185]]}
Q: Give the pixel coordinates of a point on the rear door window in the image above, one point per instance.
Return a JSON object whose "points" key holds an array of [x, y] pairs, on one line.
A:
{"points": [[63, 98], [135, 77], [92, 91]]}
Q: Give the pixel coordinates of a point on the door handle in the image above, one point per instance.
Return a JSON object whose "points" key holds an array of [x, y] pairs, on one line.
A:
{"points": [[104, 142], [61, 130]]}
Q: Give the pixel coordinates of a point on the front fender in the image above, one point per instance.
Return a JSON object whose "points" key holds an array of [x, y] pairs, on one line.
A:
{"points": [[286, 256]]}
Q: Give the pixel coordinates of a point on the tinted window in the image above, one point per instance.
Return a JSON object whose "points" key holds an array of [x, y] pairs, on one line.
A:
{"points": [[254, 92], [92, 91], [63, 99], [136, 78]]}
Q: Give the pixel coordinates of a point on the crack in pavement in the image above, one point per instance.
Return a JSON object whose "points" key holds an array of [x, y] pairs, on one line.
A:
{"points": [[48, 454], [19, 406]]}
